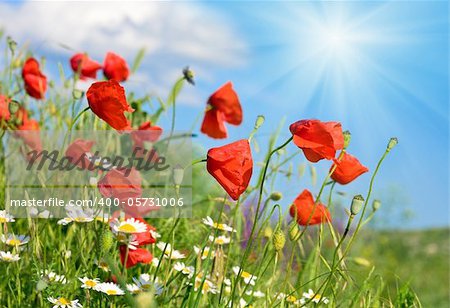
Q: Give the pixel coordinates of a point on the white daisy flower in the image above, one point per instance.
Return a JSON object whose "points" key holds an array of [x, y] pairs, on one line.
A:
{"points": [[110, 288], [205, 252], [5, 217], [53, 277], [34, 212], [64, 302], [9, 257], [186, 270], [220, 240], [223, 227], [88, 283], [155, 262], [312, 296], [15, 240], [102, 265], [145, 283], [248, 278], [155, 234], [129, 226], [133, 288], [227, 283], [169, 252], [257, 294], [77, 214], [205, 284]]}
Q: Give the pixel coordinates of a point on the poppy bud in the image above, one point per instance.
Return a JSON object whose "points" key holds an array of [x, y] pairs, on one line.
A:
{"points": [[347, 138], [376, 205], [275, 196], [77, 94], [259, 121], [178, 174], [294, 232], [357, 203], [278, 240], [11, 44], [13, 107], [106, 241], [392, 143], [188, 74], [268, 232]]}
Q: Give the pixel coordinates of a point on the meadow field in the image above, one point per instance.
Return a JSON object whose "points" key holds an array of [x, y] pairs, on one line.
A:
{"points": [[210, 227]]}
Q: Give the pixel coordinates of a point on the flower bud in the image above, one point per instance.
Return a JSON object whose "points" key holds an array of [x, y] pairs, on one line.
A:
{"points": [[11, 44], [392, 143], [106, 241], [268, 232], [77, 94], [357, 204], [13, 107], [188, 74], [259, 121], [178, 174], [275, 196], [278, 240], [347, 138], [376, 205], [294, 232]]}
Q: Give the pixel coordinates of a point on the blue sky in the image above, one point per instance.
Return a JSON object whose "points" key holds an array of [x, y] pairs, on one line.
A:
{"points": [[380, 68]]}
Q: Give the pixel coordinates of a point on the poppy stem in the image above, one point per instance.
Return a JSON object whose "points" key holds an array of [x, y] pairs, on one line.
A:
{"points": [[261, 191], [69, 130]]}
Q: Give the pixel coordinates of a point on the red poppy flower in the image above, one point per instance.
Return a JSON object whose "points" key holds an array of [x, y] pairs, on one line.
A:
{"points": [[317, 139], [143, 238], [76, 153], [85, 66], [146, 133], [223, 106], [35, 81], [115, 67], [348, 169], [4, 110], [116, 184], [232, 166], [107, 100], [135, 256], [214, 124], [303, 207], [28, 131]]}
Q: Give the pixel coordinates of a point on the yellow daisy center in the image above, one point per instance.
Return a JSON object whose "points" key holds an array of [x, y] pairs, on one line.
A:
{"points": [[146, 286], [317, 297], [14, 242], [291, 298], [246, 275], [127, 228], [63, 301], [2, 219], [220, 241], [111, 292], [90, 283]]}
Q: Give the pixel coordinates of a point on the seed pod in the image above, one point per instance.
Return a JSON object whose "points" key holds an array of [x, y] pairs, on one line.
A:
{"points": [[106, 241], [278, 240], [259, 121], [347, 138], [276, 196], [392, 143], [376, 205], [357, 204], [268, 232]]}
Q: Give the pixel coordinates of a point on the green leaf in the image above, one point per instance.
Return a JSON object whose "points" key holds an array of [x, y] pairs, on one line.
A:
{"points": [[138, 60]]}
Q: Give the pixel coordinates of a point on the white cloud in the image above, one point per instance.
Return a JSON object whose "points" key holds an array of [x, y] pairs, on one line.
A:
{"points": [[174, 34]]}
